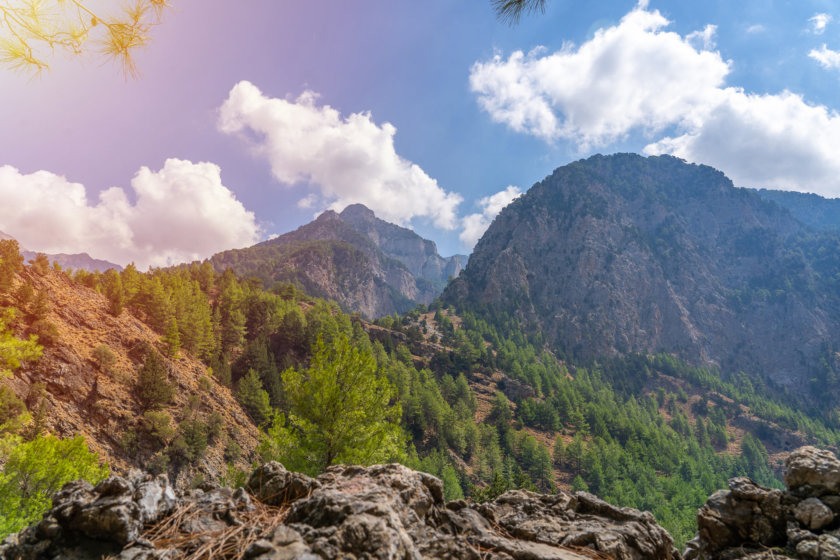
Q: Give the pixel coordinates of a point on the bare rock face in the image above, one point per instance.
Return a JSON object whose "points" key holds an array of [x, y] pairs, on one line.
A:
{"points": [[750, 521], [382, 511]]}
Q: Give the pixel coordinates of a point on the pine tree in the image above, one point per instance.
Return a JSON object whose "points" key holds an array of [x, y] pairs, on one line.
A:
{"points": [[152, 387], [113, 290], [340, 410], [11, 263], [254, 398]]}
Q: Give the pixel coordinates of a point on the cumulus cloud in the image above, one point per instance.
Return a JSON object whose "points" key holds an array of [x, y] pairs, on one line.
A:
{"points": [[632, 75], [350, 159], [826, 57], [638, 77], [474, 225], [773, 141], [819, 22], [180, 213]]}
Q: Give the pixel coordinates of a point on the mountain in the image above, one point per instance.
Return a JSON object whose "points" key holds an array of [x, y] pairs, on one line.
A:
{"points": [[365, 264], [811, 209], [623, 254], [76, 261], [418, 254]]}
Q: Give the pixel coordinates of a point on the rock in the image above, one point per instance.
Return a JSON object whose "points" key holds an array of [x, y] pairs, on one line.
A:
{"points": [[813, 513], [376, 512], [103, 519], [812, 471], [272, 484], [745, 521]]}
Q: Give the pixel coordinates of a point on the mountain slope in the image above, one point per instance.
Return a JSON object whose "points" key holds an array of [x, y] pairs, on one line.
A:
{"points": [[365, 264], [79, 397], [811, 209], [622, 254]]}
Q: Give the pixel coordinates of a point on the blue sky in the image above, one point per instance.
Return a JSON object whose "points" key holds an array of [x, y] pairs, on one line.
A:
{"points": [[247, 121]]}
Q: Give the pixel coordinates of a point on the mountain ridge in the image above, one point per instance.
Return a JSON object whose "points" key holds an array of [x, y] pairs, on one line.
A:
{"points": [[621, 254], [365, 264]]}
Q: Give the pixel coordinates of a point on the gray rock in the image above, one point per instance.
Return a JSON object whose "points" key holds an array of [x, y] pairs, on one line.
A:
{"points": [[376, 512], [812, 471], [812, 513], [272, 484]]}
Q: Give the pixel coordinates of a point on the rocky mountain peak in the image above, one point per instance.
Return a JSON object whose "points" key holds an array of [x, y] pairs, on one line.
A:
{"points": [[357, 213], [626, 254]]}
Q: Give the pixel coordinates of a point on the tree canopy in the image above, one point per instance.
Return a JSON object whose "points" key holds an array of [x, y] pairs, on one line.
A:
{"points": [[341, 410]]}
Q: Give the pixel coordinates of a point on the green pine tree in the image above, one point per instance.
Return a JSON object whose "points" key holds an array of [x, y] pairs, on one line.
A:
{"points": [[342, 410]]}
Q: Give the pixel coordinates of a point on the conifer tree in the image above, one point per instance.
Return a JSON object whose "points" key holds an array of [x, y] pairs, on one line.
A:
{"points": [[152, 387], [341, 410], [254, 398], [113, 290]]}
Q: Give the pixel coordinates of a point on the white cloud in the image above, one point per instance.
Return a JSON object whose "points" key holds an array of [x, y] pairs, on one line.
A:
{"points": [[756, 28], [819, 22], [349, 159], [181, 213], [704, 39], [636, 77], [474, 225], [633, 75], [826, 57], [771, 141]]}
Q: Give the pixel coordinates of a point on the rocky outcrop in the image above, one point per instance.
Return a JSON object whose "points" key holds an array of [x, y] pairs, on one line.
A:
{"points": [[749, 521], [382, 511], [624, 254]]}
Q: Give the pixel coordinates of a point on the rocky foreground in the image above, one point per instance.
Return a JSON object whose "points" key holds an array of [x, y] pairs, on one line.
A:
{"points": [[390, 511]]}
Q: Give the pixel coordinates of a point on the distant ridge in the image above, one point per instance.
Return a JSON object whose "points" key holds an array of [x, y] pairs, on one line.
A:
{"points": [[77, 261], [367, 265], [811, 209]]}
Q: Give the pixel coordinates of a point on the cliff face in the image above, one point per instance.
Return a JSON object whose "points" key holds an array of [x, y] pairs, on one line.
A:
{"points": [[620, 254], [365, 264], [419, 255], [73, 395]]}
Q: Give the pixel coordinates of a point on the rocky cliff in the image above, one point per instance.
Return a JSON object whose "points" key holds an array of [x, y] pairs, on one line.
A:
{"points": [[621, 254], [419, 255], [367, 265], [383, 511]]}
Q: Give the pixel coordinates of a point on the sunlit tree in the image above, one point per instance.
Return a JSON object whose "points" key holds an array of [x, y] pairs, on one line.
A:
{"points": [[32, 31]]}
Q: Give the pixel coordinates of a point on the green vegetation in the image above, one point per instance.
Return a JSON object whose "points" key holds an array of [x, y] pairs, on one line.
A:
{"points": [[341, 410], [37, 469]]}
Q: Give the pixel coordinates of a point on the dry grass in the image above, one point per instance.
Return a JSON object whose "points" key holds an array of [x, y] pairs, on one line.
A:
{"points": [[229, 542]]}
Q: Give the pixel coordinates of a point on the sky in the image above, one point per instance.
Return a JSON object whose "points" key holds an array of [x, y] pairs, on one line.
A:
{"points": [[250, 118]]}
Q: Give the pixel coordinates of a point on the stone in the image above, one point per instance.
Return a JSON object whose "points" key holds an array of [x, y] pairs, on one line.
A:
{"points": [[375, 512], [813, 514], [272, 484], [812, 471]]}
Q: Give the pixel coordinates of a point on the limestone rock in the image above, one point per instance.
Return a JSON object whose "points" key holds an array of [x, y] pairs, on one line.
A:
{"points": [[813, 471], [813, 514], [381, 511], [751, 522]]}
